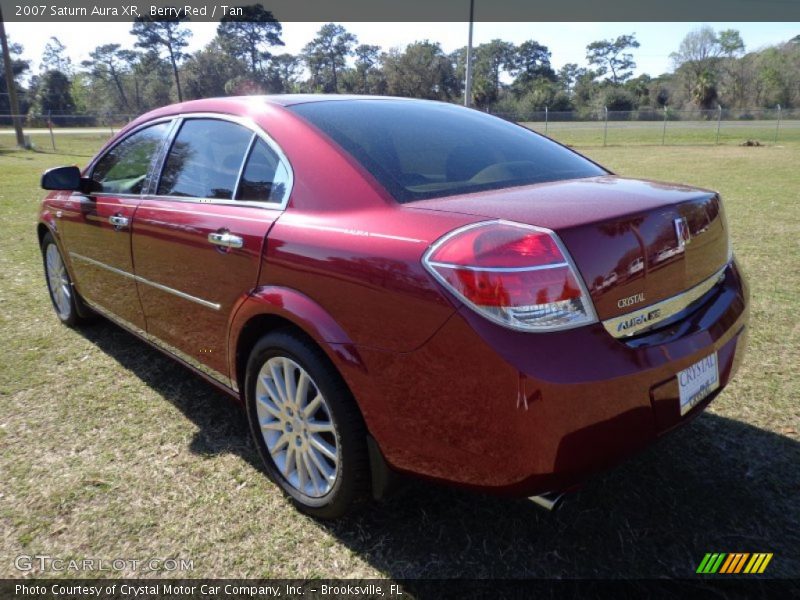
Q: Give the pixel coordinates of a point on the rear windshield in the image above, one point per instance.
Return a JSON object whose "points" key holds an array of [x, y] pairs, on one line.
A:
{"points": [[420, 150]]}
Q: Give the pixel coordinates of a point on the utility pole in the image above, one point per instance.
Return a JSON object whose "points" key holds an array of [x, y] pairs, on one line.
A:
{"points": [[13, 103], [468, 84]]}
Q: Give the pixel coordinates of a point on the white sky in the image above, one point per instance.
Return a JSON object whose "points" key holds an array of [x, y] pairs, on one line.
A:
{"points": [[567, 41]]}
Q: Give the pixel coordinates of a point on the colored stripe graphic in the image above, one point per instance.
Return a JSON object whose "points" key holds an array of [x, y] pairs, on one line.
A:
{"points": [[758, 563], [734, 562], [732, 558], [711, 563], [703, 563], [724, 563], [741, 562]]}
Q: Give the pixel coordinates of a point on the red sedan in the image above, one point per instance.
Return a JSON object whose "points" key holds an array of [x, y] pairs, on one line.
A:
{"points": [[393, 285]]}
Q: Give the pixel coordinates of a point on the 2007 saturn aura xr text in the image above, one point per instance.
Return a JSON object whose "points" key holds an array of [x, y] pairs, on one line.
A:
{"points": [[393, 285]]}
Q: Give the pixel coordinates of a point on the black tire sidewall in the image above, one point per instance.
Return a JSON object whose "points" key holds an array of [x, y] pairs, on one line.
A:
{"points": [[72, 318], [349, 430]]}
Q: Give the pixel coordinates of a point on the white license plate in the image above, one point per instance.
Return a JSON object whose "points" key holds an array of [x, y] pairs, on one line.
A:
{"points": [[697, 382]]}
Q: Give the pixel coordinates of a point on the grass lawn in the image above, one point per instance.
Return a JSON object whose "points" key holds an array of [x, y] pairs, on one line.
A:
{"points": [[108, 449]]}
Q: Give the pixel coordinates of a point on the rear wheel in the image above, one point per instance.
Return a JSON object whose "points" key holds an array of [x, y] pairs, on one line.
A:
{"points": [[62, 293], [306, 426]]}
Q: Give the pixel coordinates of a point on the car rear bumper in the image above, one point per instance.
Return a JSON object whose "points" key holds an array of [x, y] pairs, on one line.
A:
{"points": [[483, 406]]}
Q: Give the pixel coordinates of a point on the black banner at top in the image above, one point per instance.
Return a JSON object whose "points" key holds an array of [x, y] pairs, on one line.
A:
{"points": [[408, 10]]}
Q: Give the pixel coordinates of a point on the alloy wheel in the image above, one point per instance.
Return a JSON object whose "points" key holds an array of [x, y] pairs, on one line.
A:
{"points": [[297, 426]]}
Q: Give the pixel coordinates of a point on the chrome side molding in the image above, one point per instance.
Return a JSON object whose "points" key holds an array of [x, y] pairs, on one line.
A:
{"points": [[139, 279]]}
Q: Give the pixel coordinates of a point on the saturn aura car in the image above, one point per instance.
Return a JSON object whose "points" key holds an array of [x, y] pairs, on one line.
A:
{"points": [[402, 286]]}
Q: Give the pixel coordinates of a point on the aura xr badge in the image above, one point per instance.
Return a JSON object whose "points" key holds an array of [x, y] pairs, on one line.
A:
{"points": [[682, 232]]}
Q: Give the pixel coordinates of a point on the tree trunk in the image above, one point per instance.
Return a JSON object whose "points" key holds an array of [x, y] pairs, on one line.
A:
{"points": [[120, 89], [175, 72]]}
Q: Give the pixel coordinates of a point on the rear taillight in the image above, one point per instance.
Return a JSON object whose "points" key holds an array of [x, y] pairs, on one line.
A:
{"points": [[517, 275]]}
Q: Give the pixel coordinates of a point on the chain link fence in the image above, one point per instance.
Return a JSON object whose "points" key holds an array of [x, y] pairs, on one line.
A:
{"points": [[757, 126], [666, 126]]}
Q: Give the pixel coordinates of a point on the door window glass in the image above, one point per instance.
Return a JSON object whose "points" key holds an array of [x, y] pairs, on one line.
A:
{"points": [[205, 159], [265, 177], [124, 168]]}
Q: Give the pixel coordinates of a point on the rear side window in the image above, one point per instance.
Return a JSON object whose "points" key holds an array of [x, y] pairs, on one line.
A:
{"points": [[205, 159], [420, 150], [265, 177], [124, 168]]}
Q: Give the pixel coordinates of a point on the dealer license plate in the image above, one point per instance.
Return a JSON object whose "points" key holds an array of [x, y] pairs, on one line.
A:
{"points": [[697, 382]]}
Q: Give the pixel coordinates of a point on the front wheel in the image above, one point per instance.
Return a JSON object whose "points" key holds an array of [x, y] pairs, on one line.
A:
{"points": [[306, 426], [62, 293]]}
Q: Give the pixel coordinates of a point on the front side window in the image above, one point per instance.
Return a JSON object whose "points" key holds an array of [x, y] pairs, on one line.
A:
{"points": [[265, 178], [205, 159], [124, 168]]}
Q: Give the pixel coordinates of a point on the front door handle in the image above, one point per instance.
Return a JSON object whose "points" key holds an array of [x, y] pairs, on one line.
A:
{"points": [[225, 239], [118, 221]]}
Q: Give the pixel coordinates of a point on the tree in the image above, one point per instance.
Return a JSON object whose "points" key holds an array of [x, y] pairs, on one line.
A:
{"points": [[732, 70], [491, 60], [166, 34], [53, 95], [108, 63], [326, 55], [611, 56], [284, 69], [697, 62], [423, 70], [531, 61], [54, 57], [152, 80], [567, 76], [730, 43], [18, 67], [367, 57], [212, 72], [250, 35]]}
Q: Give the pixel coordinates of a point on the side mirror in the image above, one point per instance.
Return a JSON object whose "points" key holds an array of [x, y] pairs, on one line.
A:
{"points": [[62, 178], [68, 178]]}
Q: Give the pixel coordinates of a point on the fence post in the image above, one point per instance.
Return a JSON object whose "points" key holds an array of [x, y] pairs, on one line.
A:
{"points": [[605, 129], [664, 130], [50, 127], [778, 126], [546, 119], [719, 120]]}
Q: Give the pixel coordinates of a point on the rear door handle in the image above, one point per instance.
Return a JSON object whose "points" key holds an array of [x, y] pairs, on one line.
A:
{"points": [[225, 239], [118, 221]]}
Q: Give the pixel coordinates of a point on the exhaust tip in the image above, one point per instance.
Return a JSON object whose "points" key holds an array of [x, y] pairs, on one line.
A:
{"points": [[548, 500]]}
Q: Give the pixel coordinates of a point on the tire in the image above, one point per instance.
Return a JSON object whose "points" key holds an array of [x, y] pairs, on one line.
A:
{"points": [[313, 445], [69, 307]]}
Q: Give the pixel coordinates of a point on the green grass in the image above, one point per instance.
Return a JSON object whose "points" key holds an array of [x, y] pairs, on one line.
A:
{"points": [[108, 449]]}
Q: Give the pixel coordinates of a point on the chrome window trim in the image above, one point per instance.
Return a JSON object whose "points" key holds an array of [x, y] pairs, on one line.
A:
{"points": [[245, 122], [162, 345], [667, 308], [140, 279]]}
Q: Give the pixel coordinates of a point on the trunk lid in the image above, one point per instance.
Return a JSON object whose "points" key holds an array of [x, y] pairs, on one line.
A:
{"points": [[634, 242]]}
